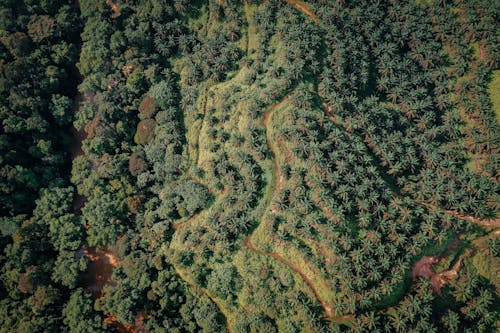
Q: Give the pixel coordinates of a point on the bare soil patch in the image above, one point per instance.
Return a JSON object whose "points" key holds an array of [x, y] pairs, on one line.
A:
{"points": [[424, 268], [100, 269], [304, 10], [135, 327]]}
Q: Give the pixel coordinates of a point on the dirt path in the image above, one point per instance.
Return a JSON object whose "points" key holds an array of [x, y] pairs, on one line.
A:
{"points": [[328, 309], [274, 184], [135, 327], [201, 127], [207, 293], [303, 8], [265, 122], [179, 224], [219, 306], [486, 223]]}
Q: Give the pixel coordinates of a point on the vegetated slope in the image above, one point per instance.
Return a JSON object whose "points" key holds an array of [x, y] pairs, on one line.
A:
{"points": [[272, 166]]}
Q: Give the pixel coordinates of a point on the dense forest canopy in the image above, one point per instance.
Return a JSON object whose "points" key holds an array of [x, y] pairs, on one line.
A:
{"points": [[249, 166]]}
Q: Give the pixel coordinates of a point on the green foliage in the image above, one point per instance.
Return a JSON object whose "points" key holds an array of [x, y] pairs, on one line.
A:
{"points": [[137, 163], [224, 281], [102, 213], [61, 109], [191, 198], [271, 166], [79, 315], [148, 107], [145, 131], [85, 114]]}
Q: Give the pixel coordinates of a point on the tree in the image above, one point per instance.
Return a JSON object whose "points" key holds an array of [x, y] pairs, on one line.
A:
{"points": [[61, 108], [145, 131], [148, 107], [192, 197], [79, 315], [224, 281]]}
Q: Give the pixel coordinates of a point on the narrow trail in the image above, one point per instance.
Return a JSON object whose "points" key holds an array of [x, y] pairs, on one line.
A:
{"points": [[265, 122], [188, 221], [207, 293], [201, 128], [274, 184], [330, 315], [303, 8], [485, 223], [205, 103]]}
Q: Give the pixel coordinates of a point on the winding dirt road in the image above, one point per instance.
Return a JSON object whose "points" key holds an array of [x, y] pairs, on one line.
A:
{"points": [[274, 185]]}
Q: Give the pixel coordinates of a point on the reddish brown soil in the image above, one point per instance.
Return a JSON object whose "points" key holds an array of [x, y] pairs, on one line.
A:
{"points": [[98, 275], [424, 267], [100, 269], [179, 224], [114, 8], [487, 223], [303, 9], [136, 327]]}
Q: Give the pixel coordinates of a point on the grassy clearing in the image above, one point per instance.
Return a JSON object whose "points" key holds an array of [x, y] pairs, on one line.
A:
{"points": [[424, 3], [252, 37], [494, 90]]}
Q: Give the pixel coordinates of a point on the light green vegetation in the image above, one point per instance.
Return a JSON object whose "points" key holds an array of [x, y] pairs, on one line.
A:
{"points": [[248, 166], [494, 90]]}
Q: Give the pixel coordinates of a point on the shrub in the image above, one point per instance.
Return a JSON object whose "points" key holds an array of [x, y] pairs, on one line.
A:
{"points": [[137, 163], [145, 131], [148, 107]]}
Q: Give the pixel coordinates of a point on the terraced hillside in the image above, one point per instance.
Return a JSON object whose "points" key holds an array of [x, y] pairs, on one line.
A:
{"points": [[261, 166]]}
